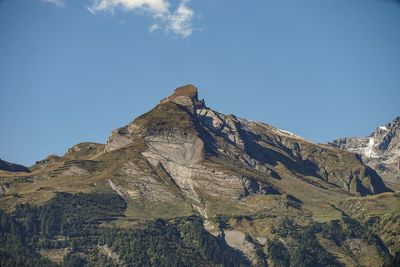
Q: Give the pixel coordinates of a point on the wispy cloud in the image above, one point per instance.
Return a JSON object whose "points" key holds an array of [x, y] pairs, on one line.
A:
{"points": [[180, 21], [156, 8], [58, 3], [177, 21]]}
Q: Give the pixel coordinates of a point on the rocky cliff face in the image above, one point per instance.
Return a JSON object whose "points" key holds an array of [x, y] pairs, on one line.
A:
{"points": [[380, 150]]}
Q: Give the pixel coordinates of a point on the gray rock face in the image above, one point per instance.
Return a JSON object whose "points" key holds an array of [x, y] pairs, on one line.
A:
{"points": [[258, 145], [252, 186], [380, 150]]}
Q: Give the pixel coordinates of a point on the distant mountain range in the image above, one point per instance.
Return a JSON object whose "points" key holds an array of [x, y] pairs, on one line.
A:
{"points": [[12, 167], [202, 181]]}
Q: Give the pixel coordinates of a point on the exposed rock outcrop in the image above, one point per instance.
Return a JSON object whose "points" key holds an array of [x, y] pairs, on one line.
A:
{"points": [[380, 150], [186, 96]]}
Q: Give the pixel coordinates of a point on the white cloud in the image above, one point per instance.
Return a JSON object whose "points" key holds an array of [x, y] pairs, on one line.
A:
{"points": [[156, 8], [154, 27], [178, 22], [58, 3]]}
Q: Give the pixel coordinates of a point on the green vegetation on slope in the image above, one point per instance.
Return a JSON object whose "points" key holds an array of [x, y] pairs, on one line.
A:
{"points": [[307, 246], [77, 224], [80, 230]]}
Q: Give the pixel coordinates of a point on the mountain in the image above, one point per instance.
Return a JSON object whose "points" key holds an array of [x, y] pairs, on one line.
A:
{"points": [[380, 150], [185, 185], [12, 167], [188, 140]]}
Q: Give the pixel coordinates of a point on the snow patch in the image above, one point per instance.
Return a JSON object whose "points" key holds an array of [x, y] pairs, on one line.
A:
{"points": [[369, 150], [383, 128], [289, 133]]}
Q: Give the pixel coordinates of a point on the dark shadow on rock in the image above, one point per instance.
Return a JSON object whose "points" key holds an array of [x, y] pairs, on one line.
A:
{"points": [[377, 182], [272, 157]]}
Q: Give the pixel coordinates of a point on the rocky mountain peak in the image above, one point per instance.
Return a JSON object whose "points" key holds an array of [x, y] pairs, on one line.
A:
{"points": [[396, 120], [188, 90], [186, 95], [184, 136], [380, 150]]}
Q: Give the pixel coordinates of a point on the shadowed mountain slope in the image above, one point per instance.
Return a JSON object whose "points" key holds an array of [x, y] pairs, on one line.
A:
{"points": [[12, 167]]}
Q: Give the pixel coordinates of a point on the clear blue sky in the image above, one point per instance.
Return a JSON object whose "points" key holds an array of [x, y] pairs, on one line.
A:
{"points": [[320, 68]]}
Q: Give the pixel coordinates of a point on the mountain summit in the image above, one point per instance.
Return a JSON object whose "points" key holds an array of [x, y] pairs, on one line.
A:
{"points": [[184, 137], [380, 150], [186, 95], [223, 183]]}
